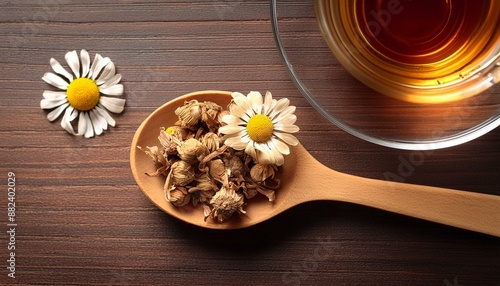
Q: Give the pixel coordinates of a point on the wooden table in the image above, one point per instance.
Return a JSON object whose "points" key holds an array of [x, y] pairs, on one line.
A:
{"points": [[82, 220]]}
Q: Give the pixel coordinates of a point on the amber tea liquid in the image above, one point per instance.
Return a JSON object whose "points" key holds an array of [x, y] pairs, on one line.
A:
{"points": [[420, 31], [415, 43]]}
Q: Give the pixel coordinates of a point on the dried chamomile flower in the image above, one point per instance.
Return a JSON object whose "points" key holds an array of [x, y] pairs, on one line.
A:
{"points": [[160, 161], [250, 192], [179, 196], [178, 132], [261, 172], [225, 203], [192, 151], [217, 170], [211, 141], [181, 173], [209, 114], [234, 165], [204, 189], [169, 142], [189, 114], [205, 183]]}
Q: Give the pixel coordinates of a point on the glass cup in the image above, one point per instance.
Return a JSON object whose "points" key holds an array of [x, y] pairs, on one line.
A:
{"points": [[429, 68], [425, 51]]}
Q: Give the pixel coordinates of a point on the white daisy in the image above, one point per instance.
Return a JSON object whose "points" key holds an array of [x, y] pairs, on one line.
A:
{"points": [[260, 127], [82, 93]]}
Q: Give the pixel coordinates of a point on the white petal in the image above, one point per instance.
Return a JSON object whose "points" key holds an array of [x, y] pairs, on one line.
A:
{"points": [[288, 119], [250, 150], [49, 104], [280, 146], [97, 58], [85, 58], [82, 124], [243, 103], [97, 65], [269, 155], [56, 66], [288, 138], [289, 110], [73, 62], [261, 147], [113, 90], [54, 95], [278, 157], [286, 127], [230, 129], [267, 102], [112, 81], [73, 114], [102, 120], [89, 132], [277, 115], [282, 104], [237, 94], [239, 112], [255, 99], [56, 112], [105, 115], [231, 119], [264, 154], [108, 72], [115, 105], [69, 115], [55, 80], [96, 123], [236, 142]]}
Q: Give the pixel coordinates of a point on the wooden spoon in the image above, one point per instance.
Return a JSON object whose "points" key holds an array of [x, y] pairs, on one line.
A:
{"points": [[305, 179]]}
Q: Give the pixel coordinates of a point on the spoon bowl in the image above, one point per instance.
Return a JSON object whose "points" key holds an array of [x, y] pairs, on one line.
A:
{"points": [[309, 180]]}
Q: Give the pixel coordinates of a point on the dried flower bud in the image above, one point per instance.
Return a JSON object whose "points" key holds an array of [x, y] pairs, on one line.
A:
{"points": [[178, 132], [160, 161], [189, 114], [225, 203], [250, 192], [169, 142], [179, 196], [154, 153], [192, 151], [211, 141], [209, 114], [204, 183], [235, 165], [261, 172], [217, 170], [182, 173]]}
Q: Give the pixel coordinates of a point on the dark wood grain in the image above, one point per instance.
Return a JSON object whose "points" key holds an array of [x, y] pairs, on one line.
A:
{"points": [[83, 221]]}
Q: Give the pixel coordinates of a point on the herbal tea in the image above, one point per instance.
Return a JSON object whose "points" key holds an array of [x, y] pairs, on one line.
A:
{"points": [[423, 31], [415, 44]]}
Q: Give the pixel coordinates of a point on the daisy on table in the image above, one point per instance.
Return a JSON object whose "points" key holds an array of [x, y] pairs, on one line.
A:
{"points": [[261, 127], [89, 93]]}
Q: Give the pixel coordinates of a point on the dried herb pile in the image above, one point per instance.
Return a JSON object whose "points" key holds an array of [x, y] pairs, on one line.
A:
{"points": [[201, 170]]}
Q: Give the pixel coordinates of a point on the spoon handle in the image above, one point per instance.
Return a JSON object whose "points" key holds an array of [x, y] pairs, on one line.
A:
{"points": [[467, 210]]}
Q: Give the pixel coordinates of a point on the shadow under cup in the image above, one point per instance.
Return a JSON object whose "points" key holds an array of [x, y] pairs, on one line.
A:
{"points": [[429, 67]]}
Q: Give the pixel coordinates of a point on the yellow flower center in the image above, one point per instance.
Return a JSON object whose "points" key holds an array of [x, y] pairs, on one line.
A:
{"points": [[83, 94], [170, 130], [260, 128]]}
